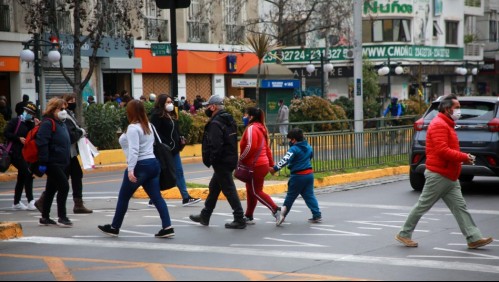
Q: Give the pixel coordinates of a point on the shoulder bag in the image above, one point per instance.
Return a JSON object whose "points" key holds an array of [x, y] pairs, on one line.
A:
{"points": [[167, 176], [245, 173]]}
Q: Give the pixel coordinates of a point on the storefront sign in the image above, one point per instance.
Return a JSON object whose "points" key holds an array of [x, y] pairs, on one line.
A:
{"points": [[243, 82], [280, 84], [9, 64], [109, 47], [387, 7], [337, 72], [375, 52], [161, 49]]}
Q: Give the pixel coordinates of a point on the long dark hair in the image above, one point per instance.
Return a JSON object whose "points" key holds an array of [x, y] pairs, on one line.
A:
{"points": [[159, 106], [258, 116]]}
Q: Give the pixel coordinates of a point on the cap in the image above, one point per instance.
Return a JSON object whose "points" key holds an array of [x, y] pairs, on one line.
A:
{"points": [[152, 97], [214, 100], [30, 107]]}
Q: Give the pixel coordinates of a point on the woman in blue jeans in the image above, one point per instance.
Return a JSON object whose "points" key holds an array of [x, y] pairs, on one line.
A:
{"points": [[143, 170]]}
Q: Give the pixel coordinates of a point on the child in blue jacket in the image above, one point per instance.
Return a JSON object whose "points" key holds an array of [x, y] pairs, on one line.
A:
{"points": [[301, 181]]}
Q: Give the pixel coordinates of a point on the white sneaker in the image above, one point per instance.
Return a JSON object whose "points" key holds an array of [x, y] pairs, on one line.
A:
{"points": [[19, 207], [31, 206], [282, 216]]}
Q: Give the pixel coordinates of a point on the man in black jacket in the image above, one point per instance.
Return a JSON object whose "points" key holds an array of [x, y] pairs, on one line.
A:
{"points": [[220, 151]]}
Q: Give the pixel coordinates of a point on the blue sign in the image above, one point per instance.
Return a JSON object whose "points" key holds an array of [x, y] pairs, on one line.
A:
{"points": [[287, 84]]}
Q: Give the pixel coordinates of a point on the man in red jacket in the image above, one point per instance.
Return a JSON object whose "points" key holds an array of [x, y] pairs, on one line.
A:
{"points": [[444, 164]]}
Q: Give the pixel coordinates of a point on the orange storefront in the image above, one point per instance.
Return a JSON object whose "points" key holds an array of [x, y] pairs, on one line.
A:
{"points": [[8, 65], [199, 72]]}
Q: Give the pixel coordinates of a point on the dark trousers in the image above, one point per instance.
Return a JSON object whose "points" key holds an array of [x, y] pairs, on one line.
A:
{"points": [[57, 182], [222, 181], [74, 171], [24, 179]]}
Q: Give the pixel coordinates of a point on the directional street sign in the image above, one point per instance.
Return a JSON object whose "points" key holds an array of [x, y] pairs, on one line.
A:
{"points": [[161, 49]]}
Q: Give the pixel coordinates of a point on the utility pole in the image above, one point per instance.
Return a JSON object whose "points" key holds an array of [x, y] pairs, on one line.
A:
{"points": [[357, 67]]}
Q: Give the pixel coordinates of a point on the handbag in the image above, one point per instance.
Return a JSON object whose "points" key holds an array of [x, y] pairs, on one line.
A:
{"points": [[167, 176], [5, 151], [244, 172]]}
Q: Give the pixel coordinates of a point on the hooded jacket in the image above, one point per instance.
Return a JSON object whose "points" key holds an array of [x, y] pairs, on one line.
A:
{"points": [[220, 142], [297, 158], [443, 154]]}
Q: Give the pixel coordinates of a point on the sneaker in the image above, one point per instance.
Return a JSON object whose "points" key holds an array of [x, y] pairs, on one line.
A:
{"points": [[282, 216], [150, 204], [47, 222], [19, 207], [406, 241], [315, 220], [165, 233], [190, 201], [277, 213], [31, 206], [480, 243], [109, 230], [249, 220], [64, 222]]}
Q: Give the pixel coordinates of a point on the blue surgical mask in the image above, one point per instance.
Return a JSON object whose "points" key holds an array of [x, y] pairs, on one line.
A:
{"points": [[246, 121], [27, 117]]}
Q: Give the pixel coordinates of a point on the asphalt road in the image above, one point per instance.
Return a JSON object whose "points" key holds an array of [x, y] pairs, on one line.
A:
{"points": [[355, 240]]}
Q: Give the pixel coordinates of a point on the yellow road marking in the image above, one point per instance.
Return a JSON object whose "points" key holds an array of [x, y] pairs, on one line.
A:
{"points": [[59, 269], [158, 270]]}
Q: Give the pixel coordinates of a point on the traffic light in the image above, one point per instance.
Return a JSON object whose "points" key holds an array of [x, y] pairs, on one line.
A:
{"points": [[179, 4]]}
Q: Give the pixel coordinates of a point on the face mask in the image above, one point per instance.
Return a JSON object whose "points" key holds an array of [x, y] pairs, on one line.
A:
{"points": [[62, 115], [245, 121], [26, 117], [169, 107], [208, 112], [72, 106], [456, 115]]}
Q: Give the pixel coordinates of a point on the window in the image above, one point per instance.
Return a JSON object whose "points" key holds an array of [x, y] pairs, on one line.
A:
{"points": [[295, 35], [451, 32], [386, 30], [4, 17], [493, 26], [234, 30], [436, 29], [151, 9]]}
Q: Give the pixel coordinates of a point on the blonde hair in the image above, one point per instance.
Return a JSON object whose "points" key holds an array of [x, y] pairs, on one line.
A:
{"points": [[53, 105]]}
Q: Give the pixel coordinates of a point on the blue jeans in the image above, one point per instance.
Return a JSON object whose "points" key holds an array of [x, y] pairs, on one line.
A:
{"points": [[302, 185], [182, 186], [147, 174]]}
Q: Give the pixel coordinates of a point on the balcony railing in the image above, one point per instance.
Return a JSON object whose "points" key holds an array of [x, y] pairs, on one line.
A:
{"points": [[235, 34], [157, 29], [198, 32], [473, 3], [474, 50], [4, 18]]}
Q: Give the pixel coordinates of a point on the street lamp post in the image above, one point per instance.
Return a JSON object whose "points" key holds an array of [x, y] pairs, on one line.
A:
{"points": [[386, 70], [29, 55], [326, 69], [464, 71]]}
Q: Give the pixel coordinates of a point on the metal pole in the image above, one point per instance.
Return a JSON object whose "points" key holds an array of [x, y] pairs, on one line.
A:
{"points": [[357, 66], [323, 74], [389, 80], [173, 31], [39, 103]]}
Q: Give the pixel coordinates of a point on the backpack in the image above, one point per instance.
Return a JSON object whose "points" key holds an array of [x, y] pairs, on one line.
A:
{"points": [[30, 149]]}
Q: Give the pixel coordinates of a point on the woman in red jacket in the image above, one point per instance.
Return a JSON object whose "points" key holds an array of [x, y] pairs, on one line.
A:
{"points": [[255, 152]]}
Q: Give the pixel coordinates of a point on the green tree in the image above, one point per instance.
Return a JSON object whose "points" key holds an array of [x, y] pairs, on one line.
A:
{"points": [[371, 90]]}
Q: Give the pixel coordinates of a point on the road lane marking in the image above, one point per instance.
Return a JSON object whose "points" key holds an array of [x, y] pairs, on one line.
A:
{"points": [[292, 244], [158, 272], [189, 248], [59, 269]]}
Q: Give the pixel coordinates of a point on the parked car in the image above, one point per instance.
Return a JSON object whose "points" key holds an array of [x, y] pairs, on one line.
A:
{"points": [[478, 132]]}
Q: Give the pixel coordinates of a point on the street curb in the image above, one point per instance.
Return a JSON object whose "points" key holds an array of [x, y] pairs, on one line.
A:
{"points": [[283, 187], [10, 230]]}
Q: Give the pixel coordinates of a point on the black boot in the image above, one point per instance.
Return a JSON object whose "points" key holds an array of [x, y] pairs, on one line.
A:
{"points": [[201, 218], [238, 223]]}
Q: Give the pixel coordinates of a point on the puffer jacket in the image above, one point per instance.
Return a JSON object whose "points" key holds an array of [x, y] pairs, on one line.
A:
{"points": [[220, 142], [443, 153], [253, 138]]}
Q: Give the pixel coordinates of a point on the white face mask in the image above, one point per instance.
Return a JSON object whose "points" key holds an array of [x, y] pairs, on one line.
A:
{"points": [[62, 115], [169, 107], [456, 114]]}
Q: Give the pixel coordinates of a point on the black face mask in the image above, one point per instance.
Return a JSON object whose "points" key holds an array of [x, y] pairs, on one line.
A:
{"points": [[72, 106], [208, 112]]}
